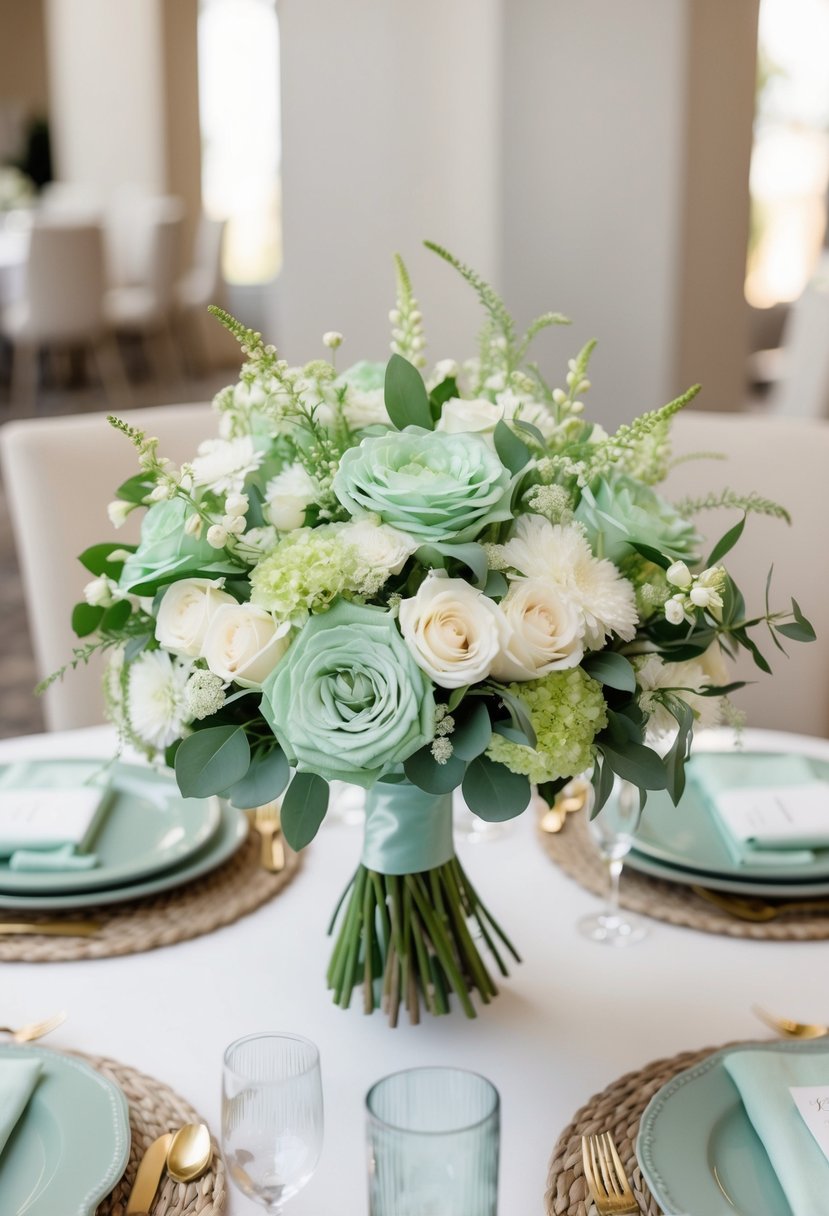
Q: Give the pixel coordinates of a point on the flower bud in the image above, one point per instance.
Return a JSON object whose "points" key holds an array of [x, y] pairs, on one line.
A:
{"points": [[217, 536], [332, 339], [674, 611], [193, 526], [679, 575], [236, 504]]}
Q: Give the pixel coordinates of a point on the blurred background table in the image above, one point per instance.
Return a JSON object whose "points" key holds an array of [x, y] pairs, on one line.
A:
{"points": [[568, 1021]]}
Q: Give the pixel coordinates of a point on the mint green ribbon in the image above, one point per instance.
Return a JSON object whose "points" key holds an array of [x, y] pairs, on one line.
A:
{"points": [[407, 830]]}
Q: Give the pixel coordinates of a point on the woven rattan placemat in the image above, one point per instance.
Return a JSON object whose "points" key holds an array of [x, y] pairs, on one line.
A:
{"points": [[618, 1110], [219, 898], [154, 1110], [573, 849]]}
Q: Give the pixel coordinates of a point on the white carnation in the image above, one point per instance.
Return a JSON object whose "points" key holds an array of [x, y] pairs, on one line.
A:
{"points": [[223, 464], [156, 708]]}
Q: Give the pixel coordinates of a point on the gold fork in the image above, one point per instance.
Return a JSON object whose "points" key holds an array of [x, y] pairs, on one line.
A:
{"points": [[788, 1028], [606, 1178], [757, 909], [267, 823], [34, 1030]]}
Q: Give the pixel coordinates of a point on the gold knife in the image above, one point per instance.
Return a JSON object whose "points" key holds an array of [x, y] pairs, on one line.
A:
{"points": [[148, 1176], [52, 928]]}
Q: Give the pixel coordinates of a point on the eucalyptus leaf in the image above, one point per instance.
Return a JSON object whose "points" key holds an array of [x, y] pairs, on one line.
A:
{"points": [[636, 763], [797, 632], [496, 585], [303, 809], [530, 428], [612, 669], [512, 733], [263, 782], [211, 761], [469, 554], [472, 735], [423, 770], [135, 645], [602, 781], [455, 697], [512, 451], [519, 715], [405, 394], [726, 543], [494, 793]]}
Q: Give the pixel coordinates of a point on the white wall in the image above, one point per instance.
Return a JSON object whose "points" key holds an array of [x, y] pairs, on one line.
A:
{"points": [[593, 138], [106, 93], [391, 118]]}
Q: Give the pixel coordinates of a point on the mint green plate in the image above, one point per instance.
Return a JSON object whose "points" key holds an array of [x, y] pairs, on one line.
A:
{"points": [[698, 1150], [148, 827], [773, 888], [687, 836], [232, 832], [71, 1144]]}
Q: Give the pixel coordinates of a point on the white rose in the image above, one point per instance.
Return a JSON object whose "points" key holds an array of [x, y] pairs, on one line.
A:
{"points": [[545, 631], [454, 631], [244, 643], [185, 613], [288, 494], [379, 546], [365, 407], [460, 416]]}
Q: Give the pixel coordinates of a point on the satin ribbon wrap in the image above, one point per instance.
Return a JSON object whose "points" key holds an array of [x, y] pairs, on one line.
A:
{"points": [[407, 830]]}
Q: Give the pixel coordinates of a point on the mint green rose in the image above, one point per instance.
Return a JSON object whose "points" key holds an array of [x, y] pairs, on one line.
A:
{"points": [[348, 701], [433, 487], [167, 550], [364, 376], [622, 511]]}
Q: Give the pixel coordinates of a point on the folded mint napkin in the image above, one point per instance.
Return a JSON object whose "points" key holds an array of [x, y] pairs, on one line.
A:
{"points": [[50, 812], [770, 810], [17, 1081], [763, 1079]]}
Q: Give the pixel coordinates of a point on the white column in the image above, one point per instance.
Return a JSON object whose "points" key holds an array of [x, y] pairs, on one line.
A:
{"points": [[106, 93], [391, 134]]}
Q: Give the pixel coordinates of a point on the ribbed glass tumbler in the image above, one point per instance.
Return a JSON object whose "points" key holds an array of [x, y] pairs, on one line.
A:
{"points": [[433, 1142]]}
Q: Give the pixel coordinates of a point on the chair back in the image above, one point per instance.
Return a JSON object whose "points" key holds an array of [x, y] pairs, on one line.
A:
{"points": [[59, 474], [207, 259], [803, 391], [786, 460], [65, 282]]}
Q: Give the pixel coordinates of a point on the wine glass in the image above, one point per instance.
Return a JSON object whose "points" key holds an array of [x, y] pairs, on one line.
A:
{"points": [[613, 830], [271, 1115]]}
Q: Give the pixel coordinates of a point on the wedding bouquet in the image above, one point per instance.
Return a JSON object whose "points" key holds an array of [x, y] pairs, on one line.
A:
{"points": [[416, 582]]}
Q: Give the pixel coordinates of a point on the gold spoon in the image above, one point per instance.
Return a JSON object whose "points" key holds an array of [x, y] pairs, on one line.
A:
{"points": [[569, 800], [788, 1028], [190, 1152]]}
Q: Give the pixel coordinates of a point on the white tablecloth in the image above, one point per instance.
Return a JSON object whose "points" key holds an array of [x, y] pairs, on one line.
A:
{"points": [[568, 1021]]}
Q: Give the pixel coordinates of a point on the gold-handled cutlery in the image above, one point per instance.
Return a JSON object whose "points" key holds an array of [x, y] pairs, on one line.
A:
{"points": [[148, 1175], [51, 928], [34, 1030], [606, 1177], [266, 822], [758, 910], [569, 800], [788, 1028]]}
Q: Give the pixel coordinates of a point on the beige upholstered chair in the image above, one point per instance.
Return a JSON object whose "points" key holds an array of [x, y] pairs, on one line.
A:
{"points": [[59, 474], [788, 460]]}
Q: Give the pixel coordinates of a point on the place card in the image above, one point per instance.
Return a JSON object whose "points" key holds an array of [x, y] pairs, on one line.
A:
{"points": [[813, 1103], [777, 816], [47, 818]]}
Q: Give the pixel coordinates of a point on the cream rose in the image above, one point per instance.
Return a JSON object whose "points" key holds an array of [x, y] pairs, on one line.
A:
{"points": [[365, 407], [545, 631], [462, 416], [379, 546], [244, 643], [288, 495], [186, 612], [454, 632]]}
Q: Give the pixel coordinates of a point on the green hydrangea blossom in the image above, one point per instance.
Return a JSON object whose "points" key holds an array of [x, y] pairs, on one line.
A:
{"points": [[306, 571], [567, 711]]}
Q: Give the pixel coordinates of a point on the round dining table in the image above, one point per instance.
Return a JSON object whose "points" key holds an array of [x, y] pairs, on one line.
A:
{"points": [[571, 1018]]}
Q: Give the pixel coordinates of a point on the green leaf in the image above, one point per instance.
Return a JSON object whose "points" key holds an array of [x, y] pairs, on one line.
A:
{"points": [[681, 746], [637, 764], [96, 559], [530, 428], [796, 631], [86, 618], [441, 393], [651, 555], [116, 617], [470, 554], [611, 669], [423, 770], [405, 393], [512, 733], [135, 645], [211, 761], [494, 793], [455, 697], [727, 542], [602, 781], [512, 451], [496, 585], [265, 780], [303, 809], [622, 728], [471, 736], [135, 489], [519, 715]]}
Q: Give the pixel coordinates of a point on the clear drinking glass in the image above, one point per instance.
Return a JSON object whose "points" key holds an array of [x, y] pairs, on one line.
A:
{"points": [[433, 1141], [613, 830], [271, 1115]]}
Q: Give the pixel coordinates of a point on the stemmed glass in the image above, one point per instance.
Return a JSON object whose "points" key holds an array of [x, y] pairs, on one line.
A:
{"points": [[613, 830], [272, 1117]]}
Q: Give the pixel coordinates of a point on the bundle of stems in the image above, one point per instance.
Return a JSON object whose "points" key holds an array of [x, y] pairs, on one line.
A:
{"points": [[412, 939]]}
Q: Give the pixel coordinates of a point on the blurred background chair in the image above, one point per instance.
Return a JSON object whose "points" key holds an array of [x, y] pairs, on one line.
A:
{"points": [[199, 286], [803, 388], [61, 307], [785, 460], [142, 308], [45, 463]]}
